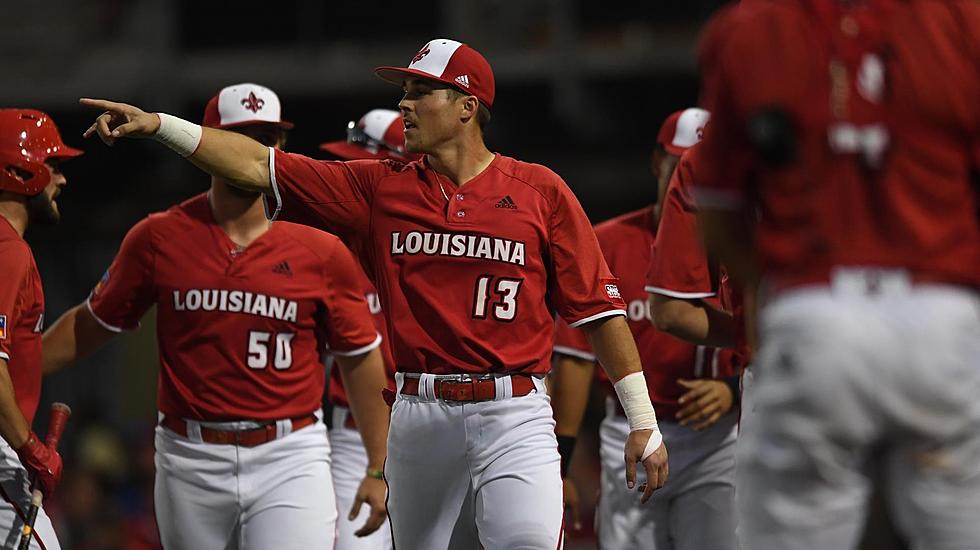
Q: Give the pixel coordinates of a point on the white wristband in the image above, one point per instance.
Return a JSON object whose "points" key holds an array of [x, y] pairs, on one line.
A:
{"points": [[633, 394], [178, 134]]}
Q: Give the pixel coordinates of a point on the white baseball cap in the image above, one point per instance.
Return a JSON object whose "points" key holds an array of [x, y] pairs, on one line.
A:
{"points": [[682, 130], [244, 104], [378, 134]]}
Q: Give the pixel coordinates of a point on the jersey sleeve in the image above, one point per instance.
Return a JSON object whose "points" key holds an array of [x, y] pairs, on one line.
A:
{"points": [[330, 195], [581, 286], [725, 155], [347, 320], [572, 342], [679, 265], [16, 263], [126, 290]]}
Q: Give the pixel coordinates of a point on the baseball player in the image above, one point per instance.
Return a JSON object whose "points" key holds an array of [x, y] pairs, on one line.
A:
{"points": [[471, 251], [31, 151], [690, 386], [244, 309], [844, 140], [379, 134]]}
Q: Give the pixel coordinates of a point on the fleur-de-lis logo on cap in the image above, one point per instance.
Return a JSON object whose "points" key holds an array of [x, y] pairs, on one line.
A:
{"points": [[253, 103], [422, 53]]}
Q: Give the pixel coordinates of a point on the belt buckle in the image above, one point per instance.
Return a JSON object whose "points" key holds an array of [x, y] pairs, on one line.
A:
{"points": [[452, 386]]}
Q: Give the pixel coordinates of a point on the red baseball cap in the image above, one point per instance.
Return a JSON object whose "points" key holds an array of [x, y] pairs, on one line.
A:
{"points": [[449, 62], [682, 130], [242, 105], [380, 134]]}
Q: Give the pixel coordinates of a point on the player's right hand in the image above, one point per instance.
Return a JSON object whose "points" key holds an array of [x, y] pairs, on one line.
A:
{"points": [[655, 464], [570, 497], [43, 463], [120, 120]]}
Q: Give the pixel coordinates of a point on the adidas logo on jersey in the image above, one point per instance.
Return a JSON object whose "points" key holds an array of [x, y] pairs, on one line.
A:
{"points": [[282, 268], [463, 80], [506, 202]]}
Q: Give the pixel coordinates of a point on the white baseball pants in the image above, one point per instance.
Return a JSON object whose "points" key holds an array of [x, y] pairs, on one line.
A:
{"points": [[870, 361], [461, 475], [274, 496], [16, 485], [695, 510], [349, 464]]}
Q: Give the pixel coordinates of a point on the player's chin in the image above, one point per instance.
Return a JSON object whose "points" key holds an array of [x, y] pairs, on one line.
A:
{"points": [[413, 141], [43, 210]]}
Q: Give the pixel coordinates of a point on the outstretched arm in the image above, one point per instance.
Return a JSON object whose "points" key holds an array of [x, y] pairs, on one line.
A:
{"points": [[229, 155], [75, 335]]}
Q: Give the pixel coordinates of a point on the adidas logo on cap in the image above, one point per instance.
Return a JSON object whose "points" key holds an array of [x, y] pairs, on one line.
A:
{"points": [[463, 80]]}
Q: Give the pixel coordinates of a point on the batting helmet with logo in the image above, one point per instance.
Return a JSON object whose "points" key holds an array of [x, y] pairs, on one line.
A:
{"points": [[27, 139]]}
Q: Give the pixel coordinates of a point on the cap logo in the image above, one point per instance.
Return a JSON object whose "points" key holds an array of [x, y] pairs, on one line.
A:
{"points": [[253, 103], [463, 80], [700, 132], [422, 53]]}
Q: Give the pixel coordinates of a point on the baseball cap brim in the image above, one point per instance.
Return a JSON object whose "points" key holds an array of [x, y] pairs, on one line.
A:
{"points": [[285, 125], [349, 151], [66, 152]]}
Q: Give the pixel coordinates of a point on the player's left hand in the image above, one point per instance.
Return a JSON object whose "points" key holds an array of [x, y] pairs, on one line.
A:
{"points": [[704, 402], [372, 491], [655, 465]]}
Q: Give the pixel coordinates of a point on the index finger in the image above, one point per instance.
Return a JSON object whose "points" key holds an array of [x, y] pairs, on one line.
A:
{"points": [[104, 104], [376, 520]]}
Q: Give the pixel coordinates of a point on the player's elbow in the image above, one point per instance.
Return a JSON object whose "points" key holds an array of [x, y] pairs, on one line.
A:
{"points": [[667, 314]]}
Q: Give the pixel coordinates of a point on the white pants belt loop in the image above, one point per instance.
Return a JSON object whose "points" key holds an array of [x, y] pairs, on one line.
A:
{"points": [[427, 387], [505, 388]]}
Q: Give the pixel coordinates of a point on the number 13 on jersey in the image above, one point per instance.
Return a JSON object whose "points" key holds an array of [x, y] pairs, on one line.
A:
{"points": [[496, 296]]}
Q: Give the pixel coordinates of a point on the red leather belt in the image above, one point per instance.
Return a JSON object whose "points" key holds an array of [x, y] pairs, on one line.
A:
{"points": [[478, 389], [243, 438]]}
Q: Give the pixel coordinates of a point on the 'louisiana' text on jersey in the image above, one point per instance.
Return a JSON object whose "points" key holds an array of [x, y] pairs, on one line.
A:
{"points": [[235, 301], [458, 244]]}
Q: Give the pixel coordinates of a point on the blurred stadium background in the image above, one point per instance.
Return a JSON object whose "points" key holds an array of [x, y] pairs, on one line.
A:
{"points": [[581, 87]]}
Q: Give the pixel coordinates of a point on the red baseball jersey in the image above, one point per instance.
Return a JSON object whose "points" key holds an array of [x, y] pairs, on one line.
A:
{"points": [[21, 318], [336, 393], [468, 275], [679, 265], [240, 331], [876, 122], [626, 242]]}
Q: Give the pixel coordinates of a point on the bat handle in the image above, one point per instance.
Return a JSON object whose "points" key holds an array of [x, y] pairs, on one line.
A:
{"points": [[60, 413], [28, 531]]}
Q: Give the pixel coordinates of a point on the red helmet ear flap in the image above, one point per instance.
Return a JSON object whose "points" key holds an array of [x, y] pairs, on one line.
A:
{"points": [[22, 176]]}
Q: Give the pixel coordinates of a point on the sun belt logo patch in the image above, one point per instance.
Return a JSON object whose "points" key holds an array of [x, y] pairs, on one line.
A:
{"points": [[611, 289], [3, 327], [101, 284]]}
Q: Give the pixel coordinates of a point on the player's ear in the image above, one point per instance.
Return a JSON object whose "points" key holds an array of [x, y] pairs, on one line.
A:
{"points": [[469, 107]]}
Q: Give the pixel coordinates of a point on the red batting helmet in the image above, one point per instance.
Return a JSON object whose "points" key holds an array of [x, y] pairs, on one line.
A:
{"points": [[27, 139]]}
